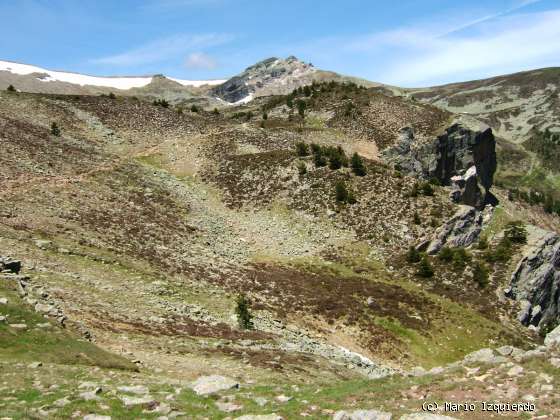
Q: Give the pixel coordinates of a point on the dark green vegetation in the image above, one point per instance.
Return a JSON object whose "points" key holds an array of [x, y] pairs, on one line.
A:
{"points": [[244, 316], [55, 130]]}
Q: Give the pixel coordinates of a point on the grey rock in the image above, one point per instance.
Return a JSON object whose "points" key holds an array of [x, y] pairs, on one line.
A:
{"points": [[553, 337], [20, 327], [206, 385], [136, 389], [63, 402], [362, 415], [10, 265], [96, 417], [426, 416], [134, 401], [483, 356], [259, 417], [463, 157], [3, 301], [228, 406], [43, 244], [35, 365], [460, 231], [536, 283], [260, 401]]}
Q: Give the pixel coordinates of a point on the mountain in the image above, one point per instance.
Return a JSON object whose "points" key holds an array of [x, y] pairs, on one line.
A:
{"points": [[35, 79], [513, 105], [337, 249], [275, 76]]}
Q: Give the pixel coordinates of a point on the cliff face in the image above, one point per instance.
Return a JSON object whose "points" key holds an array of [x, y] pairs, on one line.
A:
{"points": [[536, 284], [463, 157]]}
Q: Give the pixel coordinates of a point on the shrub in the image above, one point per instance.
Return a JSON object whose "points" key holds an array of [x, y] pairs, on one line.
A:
{"points": [[351, 198], [301, 105], [179, 110], [11, 88], [318, 158], [425, 270], [480, 275], [446, 254], [427, 189], [416, 218], [265, 116], [302, 168], [482, 243], [414, 190], [302, 149], [412, 256], [502, 252], [460, 257], [335, 161], [194, 108], [112, 95], [357, 165], [216, 112], [516, 232], [341, 192], [244, 316], [55, 130]]}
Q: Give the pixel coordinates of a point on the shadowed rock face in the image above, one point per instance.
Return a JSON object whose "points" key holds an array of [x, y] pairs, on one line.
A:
{"points": [[463, 157], [536, 284]]}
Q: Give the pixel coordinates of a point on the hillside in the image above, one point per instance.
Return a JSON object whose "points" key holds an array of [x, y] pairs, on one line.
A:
{"points": [[139, 227]]}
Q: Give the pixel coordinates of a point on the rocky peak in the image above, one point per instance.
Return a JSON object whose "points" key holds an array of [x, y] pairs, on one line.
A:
{"points": [[270, 76]]}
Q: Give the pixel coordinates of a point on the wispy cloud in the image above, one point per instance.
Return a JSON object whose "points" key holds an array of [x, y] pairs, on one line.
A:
{"points": [[510, 43], [200, 61], [168, 5], [163, 49]]}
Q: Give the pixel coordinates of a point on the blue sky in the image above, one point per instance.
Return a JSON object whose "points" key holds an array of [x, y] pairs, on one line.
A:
{"points": [[405, 42]]}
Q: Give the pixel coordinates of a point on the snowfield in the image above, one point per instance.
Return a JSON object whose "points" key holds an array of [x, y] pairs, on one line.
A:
{"points": [[123, 83]]}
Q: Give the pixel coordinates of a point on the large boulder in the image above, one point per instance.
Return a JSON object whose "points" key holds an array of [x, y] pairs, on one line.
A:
{"points": [[462, 157], [10, 265], [536, 283]]}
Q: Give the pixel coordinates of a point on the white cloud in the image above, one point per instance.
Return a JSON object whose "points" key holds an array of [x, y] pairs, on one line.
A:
{"points": [[510, 43], [198, 60], [164, 49]]}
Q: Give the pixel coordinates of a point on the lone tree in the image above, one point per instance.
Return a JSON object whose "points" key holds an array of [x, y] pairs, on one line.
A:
{"points": [[11, 88], [244, 317], [301, 109], [302, 149], [480, 274], [55, 130], [412, 256], [341, 192], [425, 270], [357, 165]]}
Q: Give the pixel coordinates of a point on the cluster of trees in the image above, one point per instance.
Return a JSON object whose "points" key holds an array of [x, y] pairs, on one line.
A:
{"points": [[546, 145], [334, 157], [514, 233], [536, 198], [343, 194], [161, 102]]}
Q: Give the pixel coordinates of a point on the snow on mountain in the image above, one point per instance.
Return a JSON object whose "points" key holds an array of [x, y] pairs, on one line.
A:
{"points": [[123, 83]]}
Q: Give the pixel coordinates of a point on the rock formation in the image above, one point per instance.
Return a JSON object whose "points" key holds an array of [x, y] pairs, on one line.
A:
{"points": [[463, 157], [536, 284]]}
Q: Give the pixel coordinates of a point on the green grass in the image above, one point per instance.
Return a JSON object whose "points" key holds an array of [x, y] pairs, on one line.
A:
{"points": [[53, 344]]}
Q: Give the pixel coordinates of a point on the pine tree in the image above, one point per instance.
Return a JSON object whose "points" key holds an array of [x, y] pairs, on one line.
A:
{"points": [[55, 131], [412, 256], [480, 274], [425, 270], [244, 316], [301, 109], [357, 165], [302, 149], [341, 192], [11, 88]]}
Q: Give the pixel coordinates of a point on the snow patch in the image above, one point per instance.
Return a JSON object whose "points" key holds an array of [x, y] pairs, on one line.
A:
{"points": [[123, 83]]}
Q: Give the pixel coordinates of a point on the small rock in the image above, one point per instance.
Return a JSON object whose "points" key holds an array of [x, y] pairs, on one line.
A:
{"points": [[206, 385], [3, 301], [43, 244], [133, 401], [555, 361], [283, 398], [35, 365], [228, 407], [426, 416], [362, 415], [137, 389], [260, 401], [20, 327], [553, 337], [259, 417], [63, 402], [96, 417], [515, 371]]}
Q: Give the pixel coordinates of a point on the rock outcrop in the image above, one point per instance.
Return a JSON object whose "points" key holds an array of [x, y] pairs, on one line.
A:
{"points": [[463, 157], [462, 230], [10, 265], [536, 284]]}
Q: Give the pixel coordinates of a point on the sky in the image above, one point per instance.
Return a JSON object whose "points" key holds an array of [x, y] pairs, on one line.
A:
{"points": [[404, 42]]}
